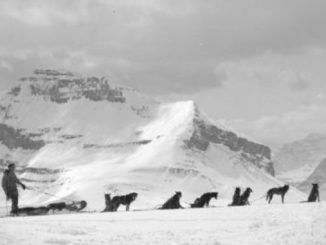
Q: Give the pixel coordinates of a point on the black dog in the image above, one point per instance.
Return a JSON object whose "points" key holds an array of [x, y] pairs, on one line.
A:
{"points": [[203, 200], [236, 197], [108, 207], [314, 194], [277, 191], [112, 205], [173, 202], [244, 198]]}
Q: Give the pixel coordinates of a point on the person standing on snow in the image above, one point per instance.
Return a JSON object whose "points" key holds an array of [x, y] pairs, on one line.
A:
{"points": [[9, 185]]}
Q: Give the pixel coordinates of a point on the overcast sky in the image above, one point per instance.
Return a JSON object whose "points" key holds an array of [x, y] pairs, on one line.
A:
{"points": [[258, 65]]}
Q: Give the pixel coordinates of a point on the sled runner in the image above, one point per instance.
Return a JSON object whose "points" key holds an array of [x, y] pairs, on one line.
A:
{"points": [[31, 211]]}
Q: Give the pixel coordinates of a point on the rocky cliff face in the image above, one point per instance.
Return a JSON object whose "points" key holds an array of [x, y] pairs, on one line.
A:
{"points": [[14, 138], [60, 87], [205, 134]]}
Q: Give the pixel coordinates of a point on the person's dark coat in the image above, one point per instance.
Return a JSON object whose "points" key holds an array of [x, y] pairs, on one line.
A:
{"points": [[9, 183]]}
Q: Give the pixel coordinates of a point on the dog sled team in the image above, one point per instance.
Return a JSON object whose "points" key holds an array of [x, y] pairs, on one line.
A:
{"points": [[204, 200], [10, 182]]}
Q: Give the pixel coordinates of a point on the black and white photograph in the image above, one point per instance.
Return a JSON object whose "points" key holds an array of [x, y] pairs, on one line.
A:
{"points": [[163, 122]]}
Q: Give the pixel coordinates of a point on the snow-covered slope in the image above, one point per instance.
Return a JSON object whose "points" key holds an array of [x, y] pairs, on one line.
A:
{"points": [[80, 137]]}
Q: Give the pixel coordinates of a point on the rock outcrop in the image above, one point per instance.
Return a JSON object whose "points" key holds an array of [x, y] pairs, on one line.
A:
{"points": [[204, 134], [15, 138], [60, 87]]}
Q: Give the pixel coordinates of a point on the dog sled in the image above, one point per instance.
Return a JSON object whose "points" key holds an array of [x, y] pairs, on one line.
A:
{"points": [[52, 208]]}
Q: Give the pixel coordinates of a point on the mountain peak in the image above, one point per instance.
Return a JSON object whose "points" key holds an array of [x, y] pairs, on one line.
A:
{"points": [[207, 133]]}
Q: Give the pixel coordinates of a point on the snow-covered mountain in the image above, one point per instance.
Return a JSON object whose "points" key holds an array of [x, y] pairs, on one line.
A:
{"points": [[80, 137]]}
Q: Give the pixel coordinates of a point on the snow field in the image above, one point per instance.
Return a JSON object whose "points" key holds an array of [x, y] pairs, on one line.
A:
{"points": [[299, 224]]}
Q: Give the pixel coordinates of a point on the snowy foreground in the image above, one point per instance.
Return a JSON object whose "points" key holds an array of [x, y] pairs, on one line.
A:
{"points": [[277, 224]]}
